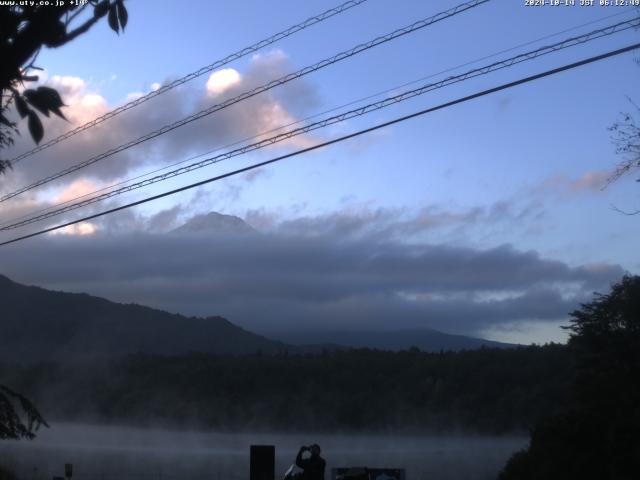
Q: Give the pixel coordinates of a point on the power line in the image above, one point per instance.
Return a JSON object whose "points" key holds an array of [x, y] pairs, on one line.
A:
{"points": [[187, 78], [310, 117], [337, 140], [251, 93], [366, 109]]}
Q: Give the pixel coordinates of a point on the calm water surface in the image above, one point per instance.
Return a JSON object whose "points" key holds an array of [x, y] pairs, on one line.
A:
{"points": [[122, 453]]}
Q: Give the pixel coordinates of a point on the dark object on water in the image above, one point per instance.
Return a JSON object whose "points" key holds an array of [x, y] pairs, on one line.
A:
{"points": [[262, 462], [364, 473], [68, 470], [351, 473]]}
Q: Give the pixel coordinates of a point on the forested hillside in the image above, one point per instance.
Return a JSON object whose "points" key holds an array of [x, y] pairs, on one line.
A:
{"points": [[485, 390], [39, 324]]}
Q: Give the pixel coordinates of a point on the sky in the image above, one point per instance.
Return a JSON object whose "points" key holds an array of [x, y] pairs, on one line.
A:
{"points": [[488, 218]]}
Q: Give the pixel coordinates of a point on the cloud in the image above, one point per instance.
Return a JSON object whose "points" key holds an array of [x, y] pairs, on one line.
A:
{"points": [[244, 120], [400, 224], [164, 220], [82, 228], [221, 80], [591, 181], [80, 187], [286, 278]]}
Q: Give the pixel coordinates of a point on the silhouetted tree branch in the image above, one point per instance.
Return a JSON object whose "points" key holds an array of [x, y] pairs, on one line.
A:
{"points": [[23, 33], [19, 418], [624, 212], [626, 138]]}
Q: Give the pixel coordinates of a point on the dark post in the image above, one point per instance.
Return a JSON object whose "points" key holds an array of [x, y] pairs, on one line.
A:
{"points": [[262, 462]]}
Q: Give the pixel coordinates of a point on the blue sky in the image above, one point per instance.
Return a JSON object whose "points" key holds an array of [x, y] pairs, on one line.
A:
{"points": [[522, 168]]}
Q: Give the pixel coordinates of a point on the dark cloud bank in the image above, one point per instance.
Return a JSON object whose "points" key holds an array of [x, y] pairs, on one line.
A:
{"points": [[286, 280]]}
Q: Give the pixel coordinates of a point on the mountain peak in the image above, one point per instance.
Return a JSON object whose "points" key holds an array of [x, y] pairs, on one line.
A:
{"points": [[215, 222]]}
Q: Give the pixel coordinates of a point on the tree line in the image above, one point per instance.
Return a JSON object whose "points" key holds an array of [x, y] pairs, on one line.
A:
{"points": [[485, 390]]}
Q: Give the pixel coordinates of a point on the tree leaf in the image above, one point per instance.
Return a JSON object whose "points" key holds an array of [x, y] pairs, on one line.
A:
{"points": [[50, 98], [113, 19], [122, 14], [21, 106], [53, 32], [35, 100], [51, 95], [101, 9], [59, 113], [35, 126]]}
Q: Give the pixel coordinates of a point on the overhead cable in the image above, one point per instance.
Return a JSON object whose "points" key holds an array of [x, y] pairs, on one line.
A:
{"points": [[336, 140], [256, 91], [195, 74], [371, 107]]}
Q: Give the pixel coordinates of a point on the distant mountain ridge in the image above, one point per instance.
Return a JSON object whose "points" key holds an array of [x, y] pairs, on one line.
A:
{"points": [[42, 324], [427, 340], [39, 324]]}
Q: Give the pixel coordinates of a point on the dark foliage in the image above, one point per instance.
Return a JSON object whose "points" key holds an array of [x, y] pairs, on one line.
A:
{"points": [[598, 435], [625, 134], [39, 324], [12, 426], [6, 473], [486, 390], [24, 31], [626, 138]]}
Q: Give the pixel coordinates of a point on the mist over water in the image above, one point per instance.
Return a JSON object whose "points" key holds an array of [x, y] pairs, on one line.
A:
{"points": [[123, 453]]}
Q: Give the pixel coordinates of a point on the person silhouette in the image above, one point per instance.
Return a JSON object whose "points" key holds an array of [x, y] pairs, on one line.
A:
{"points": [[313, 466]]}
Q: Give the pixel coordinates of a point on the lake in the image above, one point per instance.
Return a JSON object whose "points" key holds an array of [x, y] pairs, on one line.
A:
{"points": [[124, 453]]}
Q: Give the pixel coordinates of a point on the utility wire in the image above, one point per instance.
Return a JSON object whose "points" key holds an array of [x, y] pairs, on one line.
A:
{"points": [[251, 93], [180, 81], [338, 140], [310, 117], [372, 107]]}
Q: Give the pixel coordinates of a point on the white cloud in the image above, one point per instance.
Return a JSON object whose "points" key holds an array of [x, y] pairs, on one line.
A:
{"points": [[84, 103], [71, 88], [76, 189], [80, 229], [222, 80]]}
